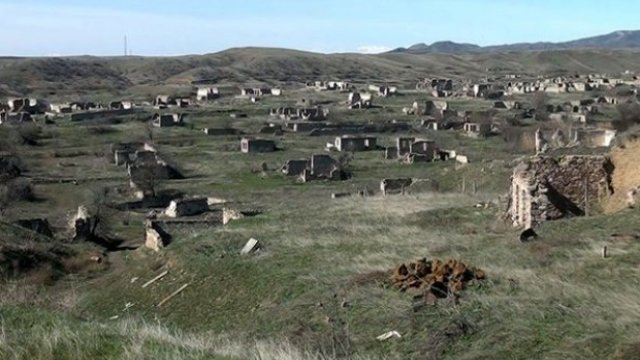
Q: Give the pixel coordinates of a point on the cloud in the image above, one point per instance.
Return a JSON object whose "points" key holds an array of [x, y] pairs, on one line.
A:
{"points": [[373, 49]]}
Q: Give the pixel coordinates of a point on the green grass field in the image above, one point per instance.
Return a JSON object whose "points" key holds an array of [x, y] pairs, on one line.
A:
{"points": [[318, 289]]}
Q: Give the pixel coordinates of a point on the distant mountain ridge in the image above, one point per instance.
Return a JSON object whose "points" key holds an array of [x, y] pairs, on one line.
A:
{"points": [[615, 40]]}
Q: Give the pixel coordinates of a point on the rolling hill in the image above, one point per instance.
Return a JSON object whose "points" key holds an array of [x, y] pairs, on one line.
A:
{"points": [[614, 40], [68, 77]]}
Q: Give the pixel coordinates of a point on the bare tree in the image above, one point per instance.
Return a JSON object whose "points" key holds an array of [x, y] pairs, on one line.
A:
{"points": [[102, 212], [148, 179], [29, 134], [629, 116]]}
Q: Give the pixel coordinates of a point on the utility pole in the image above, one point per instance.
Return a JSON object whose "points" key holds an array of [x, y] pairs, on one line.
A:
{"points": [[125, 45]]}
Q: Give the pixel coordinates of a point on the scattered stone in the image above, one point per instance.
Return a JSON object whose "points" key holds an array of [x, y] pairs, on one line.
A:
{"points": [[462, 159], [388, 335], [340, 195], [434, 278], [215, 201], [230, 214], [155, 237], [252, 246]]}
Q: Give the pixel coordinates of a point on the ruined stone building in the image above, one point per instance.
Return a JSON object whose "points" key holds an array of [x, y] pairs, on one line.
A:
{"points": [[164, 101], [304, 126], [411, 150], [19, 117], [592, 137], [207, 93], [167, 120], [437, 85], [383, 90], [358, 100], [221, 131], [507, 105], [28, 105], [120, 105], [308, 114], [257, 145], [319, 167], [355, 143], [256, 92], [187, 207], [329, 85], [473, 129], [434, 108], [547, 188]]}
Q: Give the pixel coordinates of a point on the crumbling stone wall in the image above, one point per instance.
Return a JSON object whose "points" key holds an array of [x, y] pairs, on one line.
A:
{"points": [[548, 188]]}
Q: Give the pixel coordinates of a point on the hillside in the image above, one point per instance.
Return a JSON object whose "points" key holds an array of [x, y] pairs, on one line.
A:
{"points": [[135, 76], [614, 40]]}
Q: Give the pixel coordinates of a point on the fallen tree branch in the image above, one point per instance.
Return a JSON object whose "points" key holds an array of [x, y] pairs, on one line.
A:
{"points": [[172, 295], [163, 274]]}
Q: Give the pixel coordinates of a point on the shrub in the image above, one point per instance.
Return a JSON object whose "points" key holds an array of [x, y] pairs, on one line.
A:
{"points": [[19, 189], [629, 115]]}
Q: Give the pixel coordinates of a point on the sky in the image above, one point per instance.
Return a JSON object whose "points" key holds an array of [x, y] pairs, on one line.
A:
{"points": [[179, 27]]}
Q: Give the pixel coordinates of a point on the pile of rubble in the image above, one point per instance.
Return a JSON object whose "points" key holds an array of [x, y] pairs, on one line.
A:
{"points": [[434, 278]]}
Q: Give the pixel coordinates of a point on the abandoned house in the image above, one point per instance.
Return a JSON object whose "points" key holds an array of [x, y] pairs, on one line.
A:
{"points": [[410, 150], [329, 85], [395, 186], [313, 114], [309, 114], [19, 117], [207, 93], [476, 130], [322, 167], [383, 90], [187, 207], [256, 92], [508, 105], [164, 101], [221, 131], [85, 106], [358, 100], [304, 126], [435, 85], [592, 137], [403, 145], [257, 145], [435, 108], [319, 167], [60, 108], [547, 188], [355, 143], [167, 120], [28, 105], [481, 90], [120, 105], [295, 167]]}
